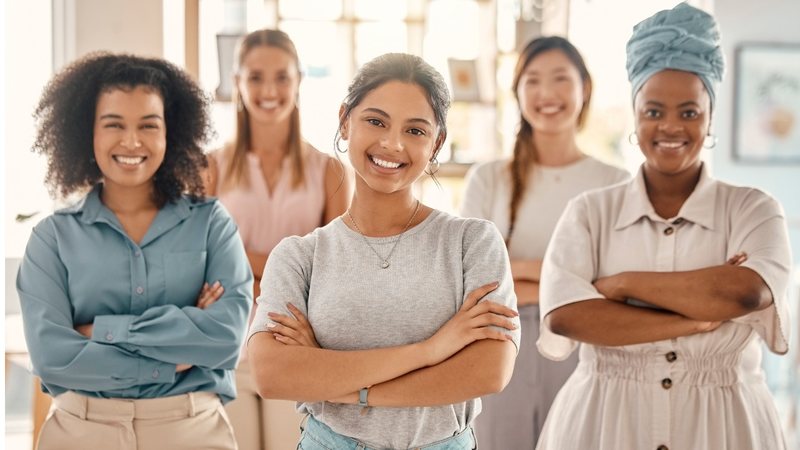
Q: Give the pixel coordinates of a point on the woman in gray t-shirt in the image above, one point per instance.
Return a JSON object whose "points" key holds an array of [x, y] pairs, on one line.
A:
{"points": [[374, 323]]}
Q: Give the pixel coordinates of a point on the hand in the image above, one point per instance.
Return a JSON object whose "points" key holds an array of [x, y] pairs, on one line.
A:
{"points": [[292, 330], [471, 323], [209, 294], [737, 259], [85, 330], [611, 287], [182, 367]]}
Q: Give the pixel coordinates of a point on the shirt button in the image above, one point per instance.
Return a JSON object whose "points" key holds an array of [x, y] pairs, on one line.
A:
{"points": [[677, 221], [109, 337], [139, 290], [662, 447], [155, 373], [137, 253], [669, 230], [671, 356], [666, 383]]}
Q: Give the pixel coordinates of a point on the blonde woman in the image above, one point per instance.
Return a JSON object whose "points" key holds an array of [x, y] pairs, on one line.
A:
{"points": [[274, 184]]}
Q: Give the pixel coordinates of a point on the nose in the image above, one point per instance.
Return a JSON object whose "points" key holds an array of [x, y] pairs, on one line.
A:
{"points": [[670, 127], [268, 88], [131, 141], [392, 141]]}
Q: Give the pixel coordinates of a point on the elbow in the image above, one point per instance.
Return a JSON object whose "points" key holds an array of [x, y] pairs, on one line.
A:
{"points": [[560, 322], [498, 373], [755, 300]]}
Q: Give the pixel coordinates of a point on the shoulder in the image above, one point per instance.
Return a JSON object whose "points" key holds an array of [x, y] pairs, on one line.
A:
{"points": [[610, 173], [746, 198], [473, 231], [296, 248]]}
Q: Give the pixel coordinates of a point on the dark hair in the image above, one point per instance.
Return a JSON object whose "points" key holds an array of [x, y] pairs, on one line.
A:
{"points": [[235, 173], [525, 154], [405, 68], [66, 115]]}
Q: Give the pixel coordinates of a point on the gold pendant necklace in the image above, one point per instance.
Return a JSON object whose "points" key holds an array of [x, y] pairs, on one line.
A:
{"points": [[384, 262]]}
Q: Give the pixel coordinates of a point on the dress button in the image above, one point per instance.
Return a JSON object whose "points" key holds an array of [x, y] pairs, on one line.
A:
{"points": [[669, 230], [155, 373], [677, 221], [662, 447], [666, 383], [109, 337], [671, 356], [139, 290]]}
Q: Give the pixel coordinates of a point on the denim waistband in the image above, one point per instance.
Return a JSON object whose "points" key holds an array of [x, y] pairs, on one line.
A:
{"points": [[318, 436]]}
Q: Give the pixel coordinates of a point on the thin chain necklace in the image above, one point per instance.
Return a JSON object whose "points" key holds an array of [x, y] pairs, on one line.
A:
{"points": [[384, 262]]}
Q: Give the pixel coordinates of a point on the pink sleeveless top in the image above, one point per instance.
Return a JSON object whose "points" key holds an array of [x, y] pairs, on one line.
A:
{"points": [[265, 218]]}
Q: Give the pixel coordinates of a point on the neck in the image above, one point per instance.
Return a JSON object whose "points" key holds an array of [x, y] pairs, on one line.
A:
{"points": [[668, 192], [128, 200], [379, 215], [559, 149], [269, 139]]}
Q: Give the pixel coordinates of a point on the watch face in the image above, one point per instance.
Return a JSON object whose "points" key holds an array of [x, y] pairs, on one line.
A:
{"points": [[362, 396]]}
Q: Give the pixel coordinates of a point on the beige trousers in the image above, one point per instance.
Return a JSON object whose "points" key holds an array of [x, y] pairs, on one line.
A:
{"points": [[261, 424], [182, 422]]}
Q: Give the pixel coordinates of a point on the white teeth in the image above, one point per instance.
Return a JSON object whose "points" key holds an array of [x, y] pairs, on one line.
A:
{"points": [[269, 105], [130, 160], [386, 164], [670, 144]]}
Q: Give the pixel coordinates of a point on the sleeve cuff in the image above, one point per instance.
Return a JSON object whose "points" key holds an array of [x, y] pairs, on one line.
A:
{"points": [[112, 329], [156, 372]]}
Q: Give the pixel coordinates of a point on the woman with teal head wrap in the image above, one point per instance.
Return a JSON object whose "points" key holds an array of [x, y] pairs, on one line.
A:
{"points": [[671, 331]]}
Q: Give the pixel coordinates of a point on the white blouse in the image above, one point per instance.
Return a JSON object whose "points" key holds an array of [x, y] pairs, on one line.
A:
{"points": [[704, 391]]}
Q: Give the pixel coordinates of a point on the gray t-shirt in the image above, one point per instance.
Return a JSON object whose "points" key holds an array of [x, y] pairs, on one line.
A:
{"points": [[334, 278]]}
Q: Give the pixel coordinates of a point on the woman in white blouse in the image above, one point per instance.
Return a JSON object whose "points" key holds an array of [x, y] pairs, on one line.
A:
{"points": [[671, 281]]}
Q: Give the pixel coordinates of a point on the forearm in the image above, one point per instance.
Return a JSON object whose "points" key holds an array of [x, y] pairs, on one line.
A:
{"points": [[313, 374], [527, 292], [609, 323], [526, 269], [713, 294], [482, 368]]}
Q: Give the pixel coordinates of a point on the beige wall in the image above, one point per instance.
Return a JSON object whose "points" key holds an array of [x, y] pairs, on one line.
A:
{"points": [[134, 26]]}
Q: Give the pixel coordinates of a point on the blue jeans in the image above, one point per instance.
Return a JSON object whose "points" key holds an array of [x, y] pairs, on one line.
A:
{"points": [[317, 436]]}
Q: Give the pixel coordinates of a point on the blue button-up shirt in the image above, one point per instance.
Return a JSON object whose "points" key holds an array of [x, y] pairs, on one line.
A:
{"points": [[81, 267]]}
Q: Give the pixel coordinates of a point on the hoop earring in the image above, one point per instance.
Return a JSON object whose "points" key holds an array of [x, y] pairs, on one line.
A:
{"points": [[339, 149], [433, 167], [633, 138], [713, 141]]}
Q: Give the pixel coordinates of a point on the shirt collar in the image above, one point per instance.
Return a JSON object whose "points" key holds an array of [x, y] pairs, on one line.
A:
{"points": [[698, 208], [91, 209]]}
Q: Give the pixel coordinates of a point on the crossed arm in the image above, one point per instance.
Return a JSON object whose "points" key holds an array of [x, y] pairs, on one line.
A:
{"points": [[463, 360]]}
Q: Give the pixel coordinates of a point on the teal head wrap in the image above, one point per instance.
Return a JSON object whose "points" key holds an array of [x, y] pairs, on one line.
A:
{"points": [[682, 38]]}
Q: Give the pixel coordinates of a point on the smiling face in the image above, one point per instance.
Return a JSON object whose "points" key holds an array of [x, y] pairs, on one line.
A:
{"points": [[672, 111], [130, 136], [268, 82], [391, 134], [551, 93]]}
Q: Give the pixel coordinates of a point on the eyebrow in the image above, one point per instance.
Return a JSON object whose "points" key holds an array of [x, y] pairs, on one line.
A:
{"points": [[383, 113], [536, 72], [682, 105], [117, 116]]}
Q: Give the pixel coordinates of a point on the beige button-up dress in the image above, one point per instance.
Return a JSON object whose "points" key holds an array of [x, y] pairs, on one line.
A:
{"points": [[705, 391]]}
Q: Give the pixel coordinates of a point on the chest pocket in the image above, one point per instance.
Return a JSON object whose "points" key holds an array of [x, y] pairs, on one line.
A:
{"points": [[184, 274]]}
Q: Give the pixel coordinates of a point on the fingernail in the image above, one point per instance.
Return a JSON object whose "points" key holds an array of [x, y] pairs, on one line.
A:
{"points": [[271, 325], [216, 283], [495, 284]]}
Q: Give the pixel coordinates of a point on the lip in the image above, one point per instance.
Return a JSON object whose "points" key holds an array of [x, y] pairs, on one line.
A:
{"points": [[129, 161], [268, 105], [549, 110]]}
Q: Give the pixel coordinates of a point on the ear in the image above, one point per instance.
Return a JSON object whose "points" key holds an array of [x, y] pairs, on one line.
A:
{"points": [[343, 124], [437, 147], [587, 90]]}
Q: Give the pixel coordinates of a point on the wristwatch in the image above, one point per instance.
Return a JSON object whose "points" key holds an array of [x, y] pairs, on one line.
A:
{"points": [[362, 397]]}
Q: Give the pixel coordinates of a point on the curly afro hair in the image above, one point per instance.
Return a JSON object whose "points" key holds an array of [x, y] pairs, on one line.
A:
{"points": [[66, 114]]}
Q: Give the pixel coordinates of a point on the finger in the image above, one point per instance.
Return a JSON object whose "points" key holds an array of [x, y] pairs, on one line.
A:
{"points": [[491, 333], [298, 315], [214, 295], [493, 307], [283, 330], [285, 320], [475, 296], [286, 340], [492, 319]]}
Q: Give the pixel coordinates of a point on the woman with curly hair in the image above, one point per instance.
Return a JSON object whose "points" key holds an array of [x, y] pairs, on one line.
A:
{"points": [[122, 326]]}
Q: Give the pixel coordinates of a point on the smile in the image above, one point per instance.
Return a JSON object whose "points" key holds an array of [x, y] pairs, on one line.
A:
{"points": [[129, 160], [268, 104], [384, 163], [549, 109]]}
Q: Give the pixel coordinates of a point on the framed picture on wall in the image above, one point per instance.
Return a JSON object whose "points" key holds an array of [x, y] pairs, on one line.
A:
{"points": [[766, 123], [464, 80]]}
